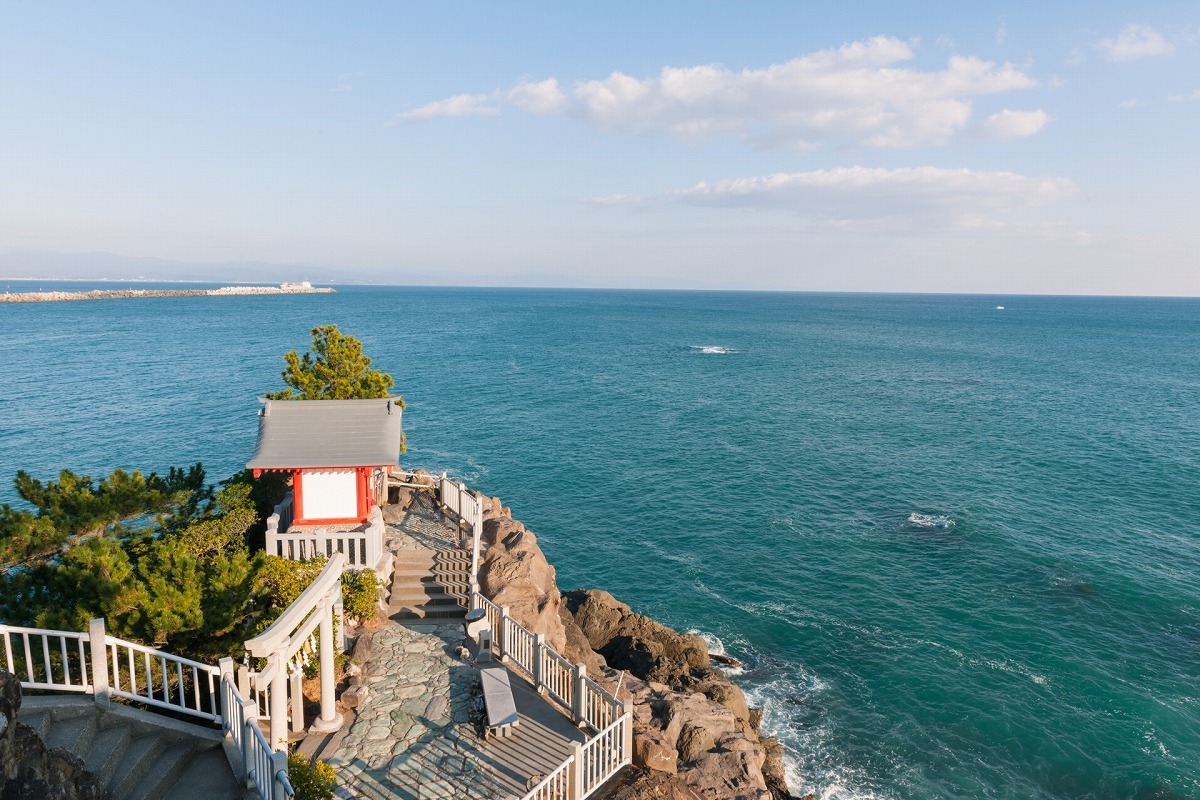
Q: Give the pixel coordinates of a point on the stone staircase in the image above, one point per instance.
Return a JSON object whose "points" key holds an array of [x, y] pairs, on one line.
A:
{"points": [[136, 755], [430, 585]]}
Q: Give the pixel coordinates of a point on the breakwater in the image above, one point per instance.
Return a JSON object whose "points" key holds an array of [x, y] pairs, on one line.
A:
{"points": [[127, 294]]}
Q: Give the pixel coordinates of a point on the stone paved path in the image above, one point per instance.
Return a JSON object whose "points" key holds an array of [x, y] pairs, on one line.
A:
{"points": [[414, 738], [422, 528]]}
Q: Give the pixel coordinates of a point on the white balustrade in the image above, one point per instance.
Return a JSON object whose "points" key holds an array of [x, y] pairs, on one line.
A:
{"points": [[45, 659], [555, 786], [161, 679], [603, 754]]}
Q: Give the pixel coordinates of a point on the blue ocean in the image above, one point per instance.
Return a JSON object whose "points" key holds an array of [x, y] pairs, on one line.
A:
{"points": [[956, 546]]}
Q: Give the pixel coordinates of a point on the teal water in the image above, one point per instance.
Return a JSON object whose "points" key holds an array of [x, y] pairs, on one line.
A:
{"points": [[957, 547]]}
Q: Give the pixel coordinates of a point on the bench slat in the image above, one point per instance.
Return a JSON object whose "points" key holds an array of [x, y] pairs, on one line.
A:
{"points": [[498, 697]]}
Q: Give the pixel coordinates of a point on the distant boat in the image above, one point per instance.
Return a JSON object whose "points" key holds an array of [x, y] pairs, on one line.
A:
{"points": [[999, 308]]}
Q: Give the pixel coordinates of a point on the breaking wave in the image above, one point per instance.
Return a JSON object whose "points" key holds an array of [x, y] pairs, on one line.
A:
{"points": [[930, 521]]}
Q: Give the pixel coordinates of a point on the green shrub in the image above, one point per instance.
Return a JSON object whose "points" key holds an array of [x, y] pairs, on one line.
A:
{"points": [[314, 780], [360, 590]]}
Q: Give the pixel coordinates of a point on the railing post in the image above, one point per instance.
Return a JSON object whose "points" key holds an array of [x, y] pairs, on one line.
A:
{"points": [[330, 719], [339, 613], [578, 702], [539, 666], [575, 773], [249, 717], [99, 654], [474, 604], [225, 665], [627, 732], [502, 634], [278, 764]]}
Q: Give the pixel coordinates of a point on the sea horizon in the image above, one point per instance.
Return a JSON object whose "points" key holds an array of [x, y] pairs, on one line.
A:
{"points": [[953, 546]]}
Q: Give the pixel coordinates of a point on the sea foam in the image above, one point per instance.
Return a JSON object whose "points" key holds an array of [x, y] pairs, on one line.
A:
{"points": [[930, 521]]}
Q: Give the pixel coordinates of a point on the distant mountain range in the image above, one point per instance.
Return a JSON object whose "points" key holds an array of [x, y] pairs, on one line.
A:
{"points": [[49, 265]]}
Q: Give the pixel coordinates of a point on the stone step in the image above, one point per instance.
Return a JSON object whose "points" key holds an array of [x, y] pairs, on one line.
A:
{"points": [[456, 575], [454, 554], [451, 614], [136, 754], [427, 600]]}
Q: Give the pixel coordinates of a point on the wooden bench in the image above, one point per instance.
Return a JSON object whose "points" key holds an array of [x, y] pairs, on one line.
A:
{"points": [[498, 698]]}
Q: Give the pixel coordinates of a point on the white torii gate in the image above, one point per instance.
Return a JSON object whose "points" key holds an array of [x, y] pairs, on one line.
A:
{"points": [[315, 608]]}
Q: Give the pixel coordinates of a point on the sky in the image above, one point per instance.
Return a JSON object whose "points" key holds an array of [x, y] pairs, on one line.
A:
{"points": [[893, 147]]}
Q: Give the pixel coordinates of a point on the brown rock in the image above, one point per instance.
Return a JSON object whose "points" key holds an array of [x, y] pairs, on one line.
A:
{"points": [[362, 649], [652, 752], [694, 740], [636, 643], [28, 771], [648, 784], [393, 514]]}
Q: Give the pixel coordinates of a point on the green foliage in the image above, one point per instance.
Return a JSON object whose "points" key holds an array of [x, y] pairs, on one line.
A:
{"points": [[336, 369], [313, 780], [360, 591], [75, 505]]}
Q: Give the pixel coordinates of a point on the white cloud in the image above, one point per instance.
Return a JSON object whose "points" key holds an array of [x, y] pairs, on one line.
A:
{"points": [[1196, 95], [1001, 33], [1008, 123], [857, 94], [854, 196], [1128, 104], [460, 105], [543, 97], [1134, 42]]}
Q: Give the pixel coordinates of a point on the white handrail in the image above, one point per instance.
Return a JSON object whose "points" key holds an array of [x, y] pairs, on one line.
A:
{"points": [[161, 679], [61, 668]]}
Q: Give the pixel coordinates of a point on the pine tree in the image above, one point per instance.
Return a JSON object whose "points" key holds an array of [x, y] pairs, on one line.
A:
{"points": [[336, 369]]}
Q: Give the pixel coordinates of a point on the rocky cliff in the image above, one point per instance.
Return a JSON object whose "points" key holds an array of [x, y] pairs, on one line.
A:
{"points": [[28, 769], [694, 734]]}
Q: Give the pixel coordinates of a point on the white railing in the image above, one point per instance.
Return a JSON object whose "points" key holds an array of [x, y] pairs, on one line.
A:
{"points": [[261, 766], [604, 754], [557, 677], [284, 513], [556, 785], [45, 659], [105, 666], [162, 680], [363, 547], [589, 704], [600, 709], [468, 507]]}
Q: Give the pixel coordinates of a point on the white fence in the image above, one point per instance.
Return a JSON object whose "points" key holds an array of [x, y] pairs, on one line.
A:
{"points": [[590, 705], [363, 548], [42, 659], [468, 507], [160, 679], [105, 666], [262, 766]]}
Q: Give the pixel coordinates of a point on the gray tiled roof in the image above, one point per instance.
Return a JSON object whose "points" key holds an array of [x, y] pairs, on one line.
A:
{"points": [[327, 433]]}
